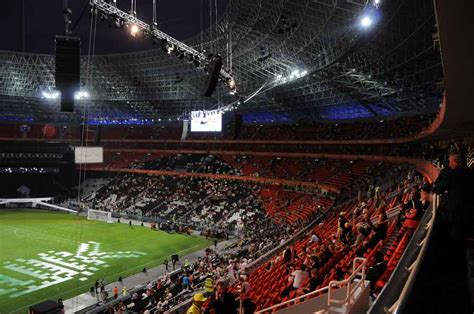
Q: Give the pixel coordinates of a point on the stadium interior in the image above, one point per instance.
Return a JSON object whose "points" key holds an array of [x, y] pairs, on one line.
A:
{"points": [[236, 156]]}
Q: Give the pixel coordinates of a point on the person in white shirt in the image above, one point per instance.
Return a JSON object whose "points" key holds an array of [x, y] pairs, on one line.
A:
{"points": [[314, 239], [299, 276]]}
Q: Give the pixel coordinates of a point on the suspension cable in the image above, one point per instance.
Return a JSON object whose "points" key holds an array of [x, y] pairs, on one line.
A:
{"points": [[215, 26], [200, 23], [210, 24], [154, 12]]}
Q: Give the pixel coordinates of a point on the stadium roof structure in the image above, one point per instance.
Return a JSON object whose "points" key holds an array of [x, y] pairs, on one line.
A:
{"points": [[306, 58]]}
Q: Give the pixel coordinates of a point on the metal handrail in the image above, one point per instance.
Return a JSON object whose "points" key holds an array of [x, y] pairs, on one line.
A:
{"points": [[355, 271], [413, 269]]}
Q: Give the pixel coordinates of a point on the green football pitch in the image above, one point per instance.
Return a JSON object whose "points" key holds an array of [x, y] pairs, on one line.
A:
{"points": [[50, 255]]}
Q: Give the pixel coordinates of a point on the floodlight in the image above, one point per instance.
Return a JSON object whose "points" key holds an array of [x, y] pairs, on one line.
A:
{"points": [[366, 21], [134, 30]]}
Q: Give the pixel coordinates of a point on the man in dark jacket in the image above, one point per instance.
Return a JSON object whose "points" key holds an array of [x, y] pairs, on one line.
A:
{"points": [[457, 218], [458, 182], [222, 302]]}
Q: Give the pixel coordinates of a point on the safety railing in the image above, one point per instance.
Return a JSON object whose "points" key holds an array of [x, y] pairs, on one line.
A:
{"points": [[398, 288], [413, 268], [358, 272]]}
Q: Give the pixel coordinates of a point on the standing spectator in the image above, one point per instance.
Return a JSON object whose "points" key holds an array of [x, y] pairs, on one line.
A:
{"points": [[382, 225], [222, 302], [173, 261], [457, 213], [458, 181], [186, 265], [185, 281], [196, 307], [116, 292], [165, 262], [289, 255]]}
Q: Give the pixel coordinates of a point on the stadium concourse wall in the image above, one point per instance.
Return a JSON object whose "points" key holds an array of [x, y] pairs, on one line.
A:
{"points": [[427, 169], [428, 131], [431, 129]]}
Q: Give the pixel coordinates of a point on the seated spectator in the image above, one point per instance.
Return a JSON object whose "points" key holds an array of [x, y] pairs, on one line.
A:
{"points": [[312, 285], [374, 273], [297, 278]]}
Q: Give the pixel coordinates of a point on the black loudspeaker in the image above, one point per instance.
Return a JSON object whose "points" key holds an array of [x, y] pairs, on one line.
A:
{"points": [[175, 257], [237, 124], [213, 71], [68, 69]]}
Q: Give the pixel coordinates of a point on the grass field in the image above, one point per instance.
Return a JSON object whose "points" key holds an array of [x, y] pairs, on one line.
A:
{"points": [[48, 255]]}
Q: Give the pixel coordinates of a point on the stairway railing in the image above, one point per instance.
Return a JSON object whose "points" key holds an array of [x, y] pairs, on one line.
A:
{"points": [[358, 272]]}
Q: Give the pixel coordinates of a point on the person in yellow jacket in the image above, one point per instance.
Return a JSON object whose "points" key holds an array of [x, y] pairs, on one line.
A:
{"points": [[198, 301]]}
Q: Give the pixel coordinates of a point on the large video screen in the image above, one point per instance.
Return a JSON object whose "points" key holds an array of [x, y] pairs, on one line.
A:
{"points": [[206, 121], [88, 155]]}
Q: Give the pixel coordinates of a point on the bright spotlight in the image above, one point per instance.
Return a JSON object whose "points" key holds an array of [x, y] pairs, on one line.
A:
{"points": [[81, 95], [231, 83], [50, 94], [366, 21], [134, 30], [304, 73], [377, 2]]}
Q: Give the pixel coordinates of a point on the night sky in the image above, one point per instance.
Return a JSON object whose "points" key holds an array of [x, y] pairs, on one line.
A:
{"points": [[43, 19]]}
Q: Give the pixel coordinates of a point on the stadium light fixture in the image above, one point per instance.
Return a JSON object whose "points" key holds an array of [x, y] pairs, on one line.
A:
{"points": [[134, 30], [294, 74], [371, 16], [81, 95], [366, 21], [232, 84], [50, 94]]}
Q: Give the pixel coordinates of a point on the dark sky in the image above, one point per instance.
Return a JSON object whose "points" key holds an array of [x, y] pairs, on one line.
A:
{"points": [[43, 19]]}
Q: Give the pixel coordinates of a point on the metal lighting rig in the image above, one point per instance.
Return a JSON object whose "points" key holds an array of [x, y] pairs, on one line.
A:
{"points": [[124, 18]]}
